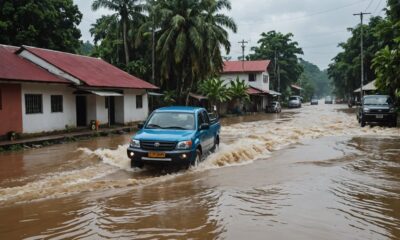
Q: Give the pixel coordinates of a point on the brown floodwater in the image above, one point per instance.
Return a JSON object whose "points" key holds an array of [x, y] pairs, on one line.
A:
{"points": [[309, 173]]}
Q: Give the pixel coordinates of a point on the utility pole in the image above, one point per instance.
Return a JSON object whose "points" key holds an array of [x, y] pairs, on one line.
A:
{"points": [[277, 72], [153, 53], [361, 14], [243, 42]]}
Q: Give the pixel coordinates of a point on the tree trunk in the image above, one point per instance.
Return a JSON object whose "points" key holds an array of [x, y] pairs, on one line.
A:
{"points": [[124, 35]]}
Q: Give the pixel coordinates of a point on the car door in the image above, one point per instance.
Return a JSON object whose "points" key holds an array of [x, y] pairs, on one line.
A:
{"points": [[209, 132], [202, 133]]}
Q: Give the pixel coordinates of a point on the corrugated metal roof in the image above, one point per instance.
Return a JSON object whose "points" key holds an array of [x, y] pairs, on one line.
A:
{"points": [[94, 72], [255, 91], [245, 66], [15, 68], [369, 87]]}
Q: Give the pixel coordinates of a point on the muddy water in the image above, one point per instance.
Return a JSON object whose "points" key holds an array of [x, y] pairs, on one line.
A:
{"points": [[305, 174]]}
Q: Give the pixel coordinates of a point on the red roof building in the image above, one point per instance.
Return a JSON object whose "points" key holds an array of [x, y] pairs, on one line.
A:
{"points": [[43, 90], [94, 72], [15, 68], [246, 66]]}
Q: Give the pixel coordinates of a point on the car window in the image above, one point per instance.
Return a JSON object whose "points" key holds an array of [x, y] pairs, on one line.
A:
{"points": [[205, 117], [377, 100], [171, 120], [200, 119]]}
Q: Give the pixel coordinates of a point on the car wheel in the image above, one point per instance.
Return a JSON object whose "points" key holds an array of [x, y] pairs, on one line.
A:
{"points": [[197, 159], [362, 123], [216, 145], [136, 164]]}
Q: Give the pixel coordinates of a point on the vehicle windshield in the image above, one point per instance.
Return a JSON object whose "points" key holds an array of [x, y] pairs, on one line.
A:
{"points": [[293, 98], [377, 100], [171, 120]]}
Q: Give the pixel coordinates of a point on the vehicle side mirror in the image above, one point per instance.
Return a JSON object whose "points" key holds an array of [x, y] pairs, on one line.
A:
{"points": [[204, 126], [140, 125]]}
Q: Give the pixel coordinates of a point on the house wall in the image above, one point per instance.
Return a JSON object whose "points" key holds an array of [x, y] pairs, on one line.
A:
{"points": [[131, 113], [48, 121], [10, 110], [259, 83]]}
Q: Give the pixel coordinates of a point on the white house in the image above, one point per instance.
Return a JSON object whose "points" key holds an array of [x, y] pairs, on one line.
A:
{"points": [[43, 90], [256, 76]]}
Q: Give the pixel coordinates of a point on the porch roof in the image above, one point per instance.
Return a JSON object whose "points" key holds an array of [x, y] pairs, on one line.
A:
{"points": [[106, 93], [197, 96], [255, 91], [368, 87]]}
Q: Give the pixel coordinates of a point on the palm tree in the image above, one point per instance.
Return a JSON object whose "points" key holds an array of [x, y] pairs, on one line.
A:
{"points": [[215, 90], [126, 10], [190, 36], [238, 92]]}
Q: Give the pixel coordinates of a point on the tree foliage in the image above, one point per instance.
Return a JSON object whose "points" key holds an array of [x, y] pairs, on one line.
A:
{"points": [[345, 70], [387, 61], [275, 45], [381, 46], [189, 40], [314, 81], [49, 24]]}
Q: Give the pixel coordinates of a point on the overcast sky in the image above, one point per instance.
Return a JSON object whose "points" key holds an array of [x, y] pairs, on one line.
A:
{"points": [[317, 25]]}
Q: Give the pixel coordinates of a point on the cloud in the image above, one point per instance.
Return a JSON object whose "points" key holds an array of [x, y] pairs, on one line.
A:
{"points": [[317, 25]]}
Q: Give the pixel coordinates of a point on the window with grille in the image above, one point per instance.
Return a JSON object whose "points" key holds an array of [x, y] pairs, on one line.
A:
{"points": [[33, 103], [139, 101], [252, 77], [56, 103]]}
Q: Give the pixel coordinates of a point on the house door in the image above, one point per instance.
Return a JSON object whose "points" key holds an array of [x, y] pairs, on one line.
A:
{"points": [[112, 110], [81, 111]]}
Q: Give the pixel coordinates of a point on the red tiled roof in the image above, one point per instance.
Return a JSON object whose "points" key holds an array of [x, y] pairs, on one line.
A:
{"points": [[255, 91], [15, 68], [246, 66], [94, 72]]}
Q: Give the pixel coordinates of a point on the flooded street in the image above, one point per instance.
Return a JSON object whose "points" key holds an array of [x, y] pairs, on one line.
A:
{"points": [[309, 173]]}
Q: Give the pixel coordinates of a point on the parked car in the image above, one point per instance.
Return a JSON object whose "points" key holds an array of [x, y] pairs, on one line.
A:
{"points": [[314, 101], [328, 100], [274, 107], [176, 136], [377, 109], [294, 102]]}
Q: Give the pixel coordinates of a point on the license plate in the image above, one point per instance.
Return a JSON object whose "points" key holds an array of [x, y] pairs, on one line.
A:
{"points": [[156, 155], [379, 115]]}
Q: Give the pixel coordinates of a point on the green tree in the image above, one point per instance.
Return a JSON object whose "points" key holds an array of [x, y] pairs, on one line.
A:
{"points": [[275, 45], [345, 69], [188, 46], [238, 92], [387, 61], [215, 90], [315, 81], [127, 11], [49, 24]]}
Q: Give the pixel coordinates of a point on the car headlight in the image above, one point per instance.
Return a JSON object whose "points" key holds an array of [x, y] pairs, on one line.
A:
{"points": [[366, 110], [134, 143], [392, 110], [184, 145]]}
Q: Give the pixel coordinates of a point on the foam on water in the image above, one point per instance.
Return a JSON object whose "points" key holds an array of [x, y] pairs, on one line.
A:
{"points": [[241, 144]]}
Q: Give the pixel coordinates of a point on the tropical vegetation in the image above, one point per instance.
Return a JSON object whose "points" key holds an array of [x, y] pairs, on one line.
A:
{"points": [[382, 58], [284, 55], [47, 23]]}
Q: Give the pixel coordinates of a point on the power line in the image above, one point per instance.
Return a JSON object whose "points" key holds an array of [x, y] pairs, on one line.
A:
{"points": [[377, 6], [319, 13], [369, 5]]}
